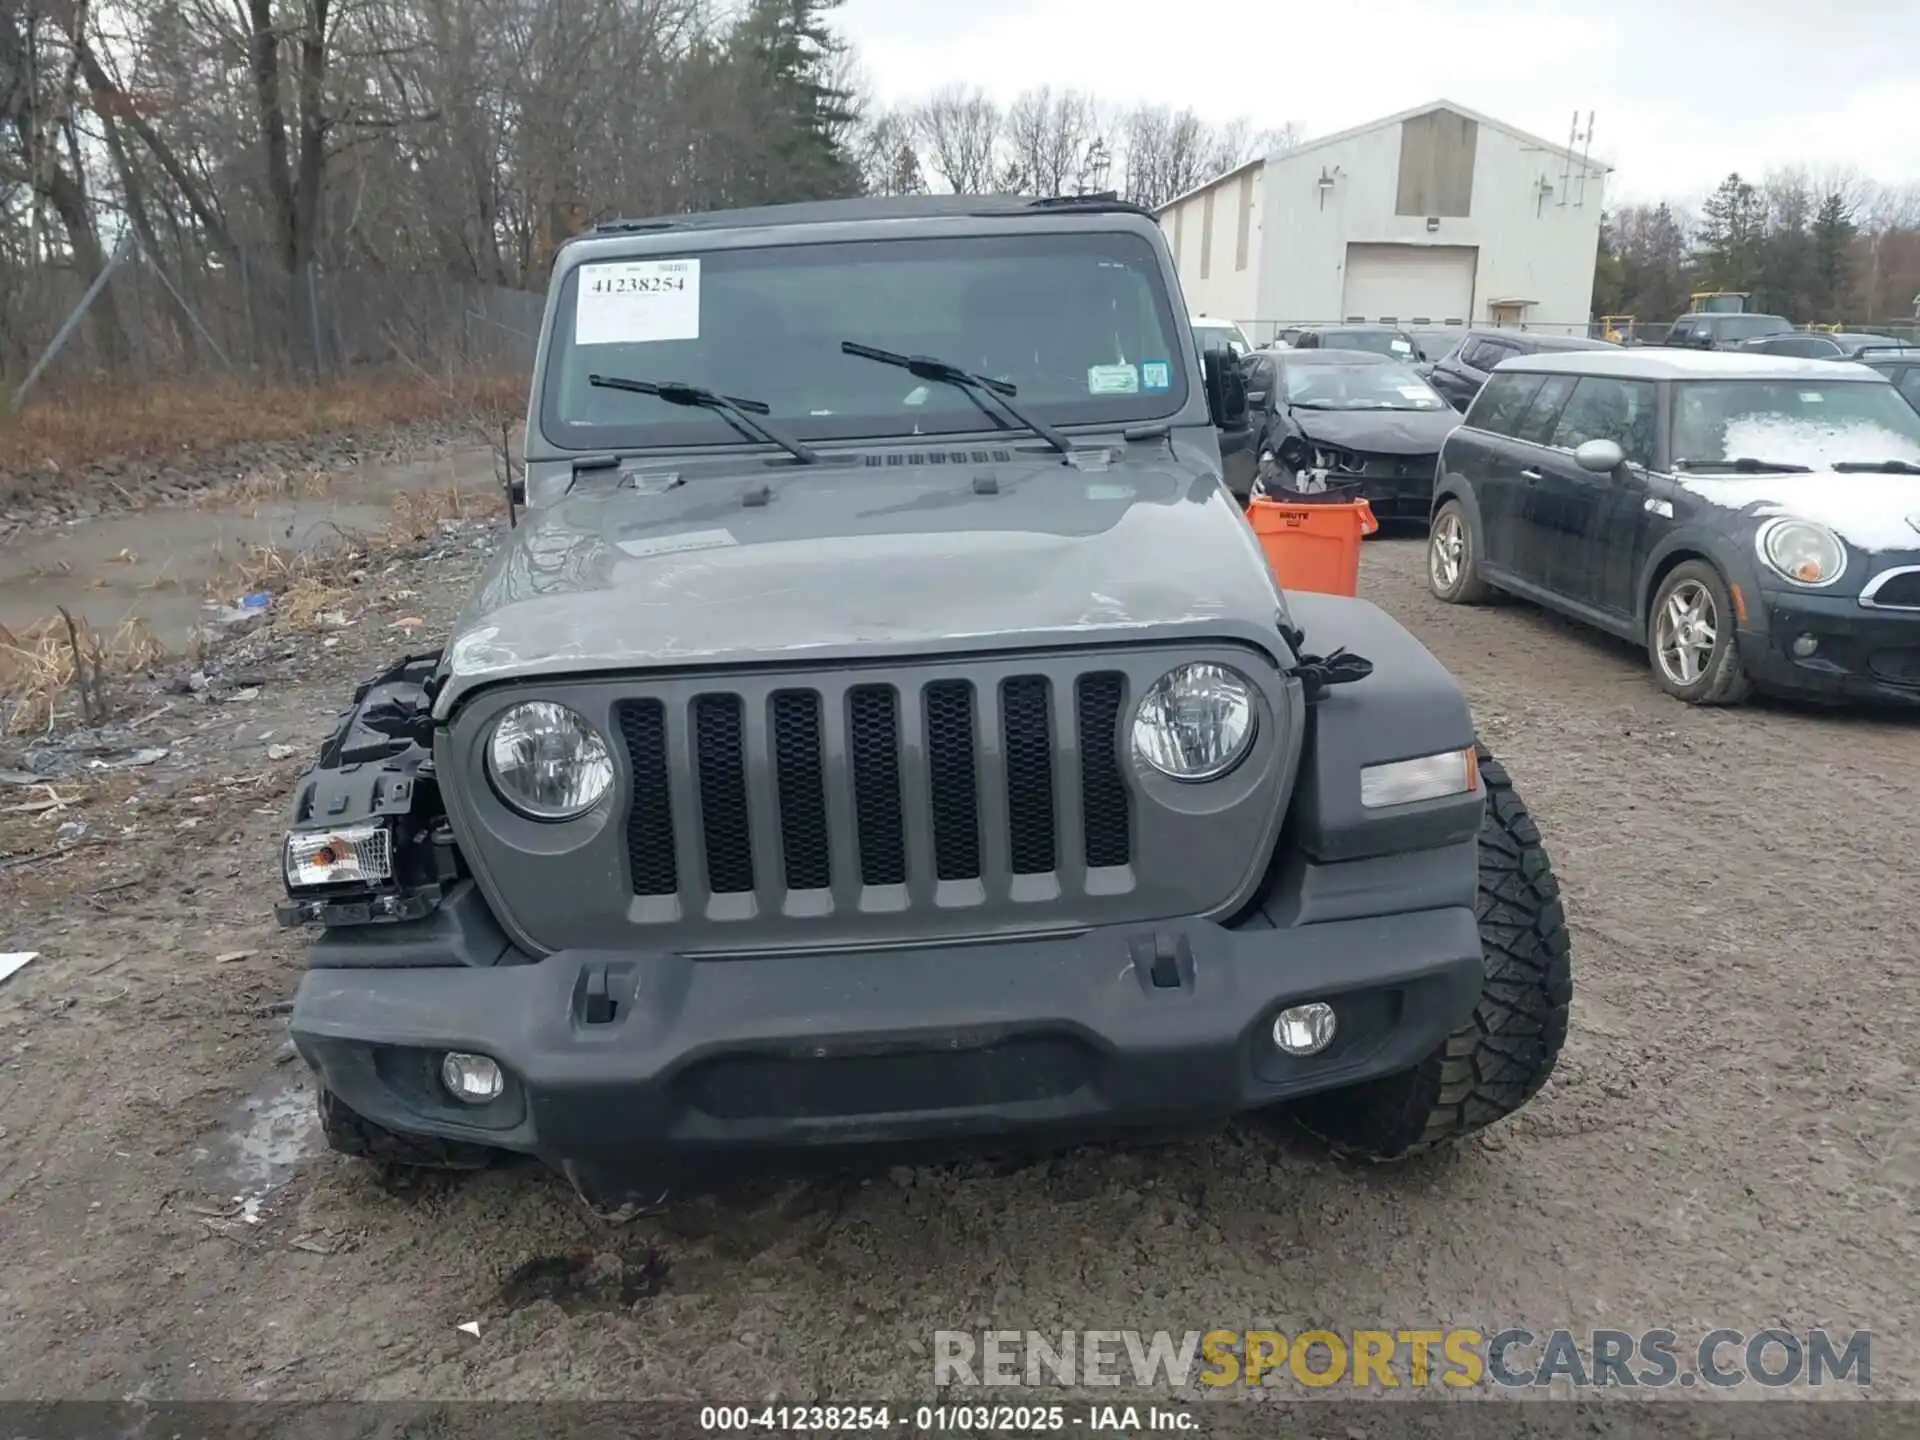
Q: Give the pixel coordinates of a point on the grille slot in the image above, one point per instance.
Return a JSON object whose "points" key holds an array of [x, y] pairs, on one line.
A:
{"points": [[720, 758], [643, 725], [873, 723], [1103, 791], [1900, 591], [954, 788], [800, 773], [819, 797], [1028, 732]]}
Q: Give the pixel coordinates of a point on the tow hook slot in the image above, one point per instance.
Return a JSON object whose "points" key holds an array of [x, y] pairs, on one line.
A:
{"points": [[1162, 961], [603, 994]]}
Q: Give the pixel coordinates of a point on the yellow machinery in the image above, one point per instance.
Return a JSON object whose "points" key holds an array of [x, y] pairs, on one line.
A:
{"points": [[1617, 327], [1720, 302]]}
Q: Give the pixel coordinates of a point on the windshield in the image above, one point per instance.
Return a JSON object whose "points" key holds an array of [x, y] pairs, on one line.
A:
{"points": [[1816, 423], [1077, 323], [1374, 342], [1359, 387], [1748, 327]]}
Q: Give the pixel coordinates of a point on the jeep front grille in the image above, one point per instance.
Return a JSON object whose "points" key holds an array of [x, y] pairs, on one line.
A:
{"points": [[901, 750]]}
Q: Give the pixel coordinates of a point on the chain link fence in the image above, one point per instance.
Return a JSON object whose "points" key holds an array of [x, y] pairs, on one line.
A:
{"points": [[140, 318]]}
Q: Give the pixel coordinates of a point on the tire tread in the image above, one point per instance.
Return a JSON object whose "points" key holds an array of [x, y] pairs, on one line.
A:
{"points": [[1498, 1060]]}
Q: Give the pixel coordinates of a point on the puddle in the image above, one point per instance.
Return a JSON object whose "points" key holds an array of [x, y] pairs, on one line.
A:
{"points": [[588, 1280], [266, 1137], [160, 564]]}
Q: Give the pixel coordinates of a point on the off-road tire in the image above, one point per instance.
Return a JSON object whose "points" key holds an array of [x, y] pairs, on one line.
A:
{"points": [[1723, 679], [351, 1133], [1468, 588], [1499, 1059]]}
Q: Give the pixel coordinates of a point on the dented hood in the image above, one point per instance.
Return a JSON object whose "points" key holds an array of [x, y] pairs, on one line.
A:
{"points": [[1379, 432], [815, 562]]}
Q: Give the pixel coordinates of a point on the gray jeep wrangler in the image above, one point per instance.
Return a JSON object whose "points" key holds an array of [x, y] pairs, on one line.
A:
{"points": [[882, 726]]}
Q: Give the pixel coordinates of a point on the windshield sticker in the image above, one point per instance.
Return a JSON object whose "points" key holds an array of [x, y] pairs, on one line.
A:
{"points": [[637, 302], [1812, 397], [1156, 375], [678, 544], [1415, 392], [1401, 347], [1113, 380]]}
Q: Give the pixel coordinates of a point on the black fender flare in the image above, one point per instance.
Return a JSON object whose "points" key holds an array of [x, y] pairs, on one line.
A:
{"points": [[1449, 486], [1734, 562]]}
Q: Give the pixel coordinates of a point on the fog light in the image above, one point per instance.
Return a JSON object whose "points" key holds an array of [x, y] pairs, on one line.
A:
{"points": [[472, 1078], [1304, 1029], [1805, 646]]}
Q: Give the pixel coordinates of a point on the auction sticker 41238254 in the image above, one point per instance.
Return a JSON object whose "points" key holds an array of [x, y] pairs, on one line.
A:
{"points": [[636, 302]]}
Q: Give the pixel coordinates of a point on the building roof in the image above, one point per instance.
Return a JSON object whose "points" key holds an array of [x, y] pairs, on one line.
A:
{"points": [[1309, 146], [1655, 363]]}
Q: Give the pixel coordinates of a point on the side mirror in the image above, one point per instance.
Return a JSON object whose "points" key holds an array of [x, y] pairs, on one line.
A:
{"points": [[1226, 390], [1601, 457]]}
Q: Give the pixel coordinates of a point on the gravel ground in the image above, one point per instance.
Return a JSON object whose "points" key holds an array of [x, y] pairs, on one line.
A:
{"points": [[1729, 1140]]}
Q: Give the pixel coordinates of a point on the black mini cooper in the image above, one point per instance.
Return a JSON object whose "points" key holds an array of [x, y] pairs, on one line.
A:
{"points": [[1753, 520]]}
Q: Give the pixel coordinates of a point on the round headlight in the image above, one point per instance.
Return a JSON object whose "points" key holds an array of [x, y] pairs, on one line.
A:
{"points": [[1196, 723], [547, 762], [1803, 552]]}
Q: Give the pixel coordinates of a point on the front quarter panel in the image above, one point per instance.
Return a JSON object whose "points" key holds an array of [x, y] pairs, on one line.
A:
{"points": [[1408, 707]]}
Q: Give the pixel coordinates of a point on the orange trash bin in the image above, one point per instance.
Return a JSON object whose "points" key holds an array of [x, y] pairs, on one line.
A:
{"points": [[1313, 545]]}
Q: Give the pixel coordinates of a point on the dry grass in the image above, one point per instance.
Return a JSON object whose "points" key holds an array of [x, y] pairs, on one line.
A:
{"points": [[312, 587], [46, 661], [82, 424]]}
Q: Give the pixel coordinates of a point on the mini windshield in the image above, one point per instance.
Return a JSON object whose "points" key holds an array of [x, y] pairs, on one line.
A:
{"points": [[1359, 387], [1814, 422], [1374, 342], [1077, 323]]}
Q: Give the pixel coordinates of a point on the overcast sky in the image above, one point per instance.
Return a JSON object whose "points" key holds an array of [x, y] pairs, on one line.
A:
{"points": [[1683, 90]]}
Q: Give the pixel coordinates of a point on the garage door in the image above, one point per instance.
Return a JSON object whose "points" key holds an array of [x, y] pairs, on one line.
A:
{"points": [[1410, 284]]}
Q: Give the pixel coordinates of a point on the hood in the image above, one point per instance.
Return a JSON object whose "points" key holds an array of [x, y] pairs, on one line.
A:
{"points": [[756, 565], [1380, 432], [1873, 513]]}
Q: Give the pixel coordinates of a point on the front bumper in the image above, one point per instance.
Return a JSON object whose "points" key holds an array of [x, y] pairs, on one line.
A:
{"points": [[654, 1064], [1858, 654]]}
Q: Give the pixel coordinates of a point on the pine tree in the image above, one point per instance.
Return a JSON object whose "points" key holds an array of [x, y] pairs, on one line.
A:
{"points": [[1731, 228], [784, 53], [1833, 233]]}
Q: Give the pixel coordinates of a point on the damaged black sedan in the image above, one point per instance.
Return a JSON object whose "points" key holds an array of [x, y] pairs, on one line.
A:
{"points": [[1351, 419]]}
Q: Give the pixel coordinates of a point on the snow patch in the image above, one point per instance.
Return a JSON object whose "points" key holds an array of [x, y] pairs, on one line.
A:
{"points": [[1806, 440], [1870, 512]]}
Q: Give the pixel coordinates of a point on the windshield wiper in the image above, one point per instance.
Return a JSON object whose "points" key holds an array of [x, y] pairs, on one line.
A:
{"points": [[1884, 467], [981, 388], [1746, 465], [738, 412]]}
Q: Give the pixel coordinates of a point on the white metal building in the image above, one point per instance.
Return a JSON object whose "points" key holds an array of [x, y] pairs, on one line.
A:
{"points": [[1435, 215]]}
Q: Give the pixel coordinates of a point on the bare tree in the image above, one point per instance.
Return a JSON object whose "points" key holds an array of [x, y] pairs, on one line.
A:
{"points": [[960, 129], [1049, 140]]}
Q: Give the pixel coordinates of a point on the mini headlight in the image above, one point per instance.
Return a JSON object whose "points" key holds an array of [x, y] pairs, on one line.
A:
{"points": [[547, 762], [1427, 777], [350, 855], [1802, 551], [1195, 723]]}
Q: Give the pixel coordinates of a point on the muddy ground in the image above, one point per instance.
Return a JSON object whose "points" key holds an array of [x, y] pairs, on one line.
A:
{"points": [[1730, 1138]]}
